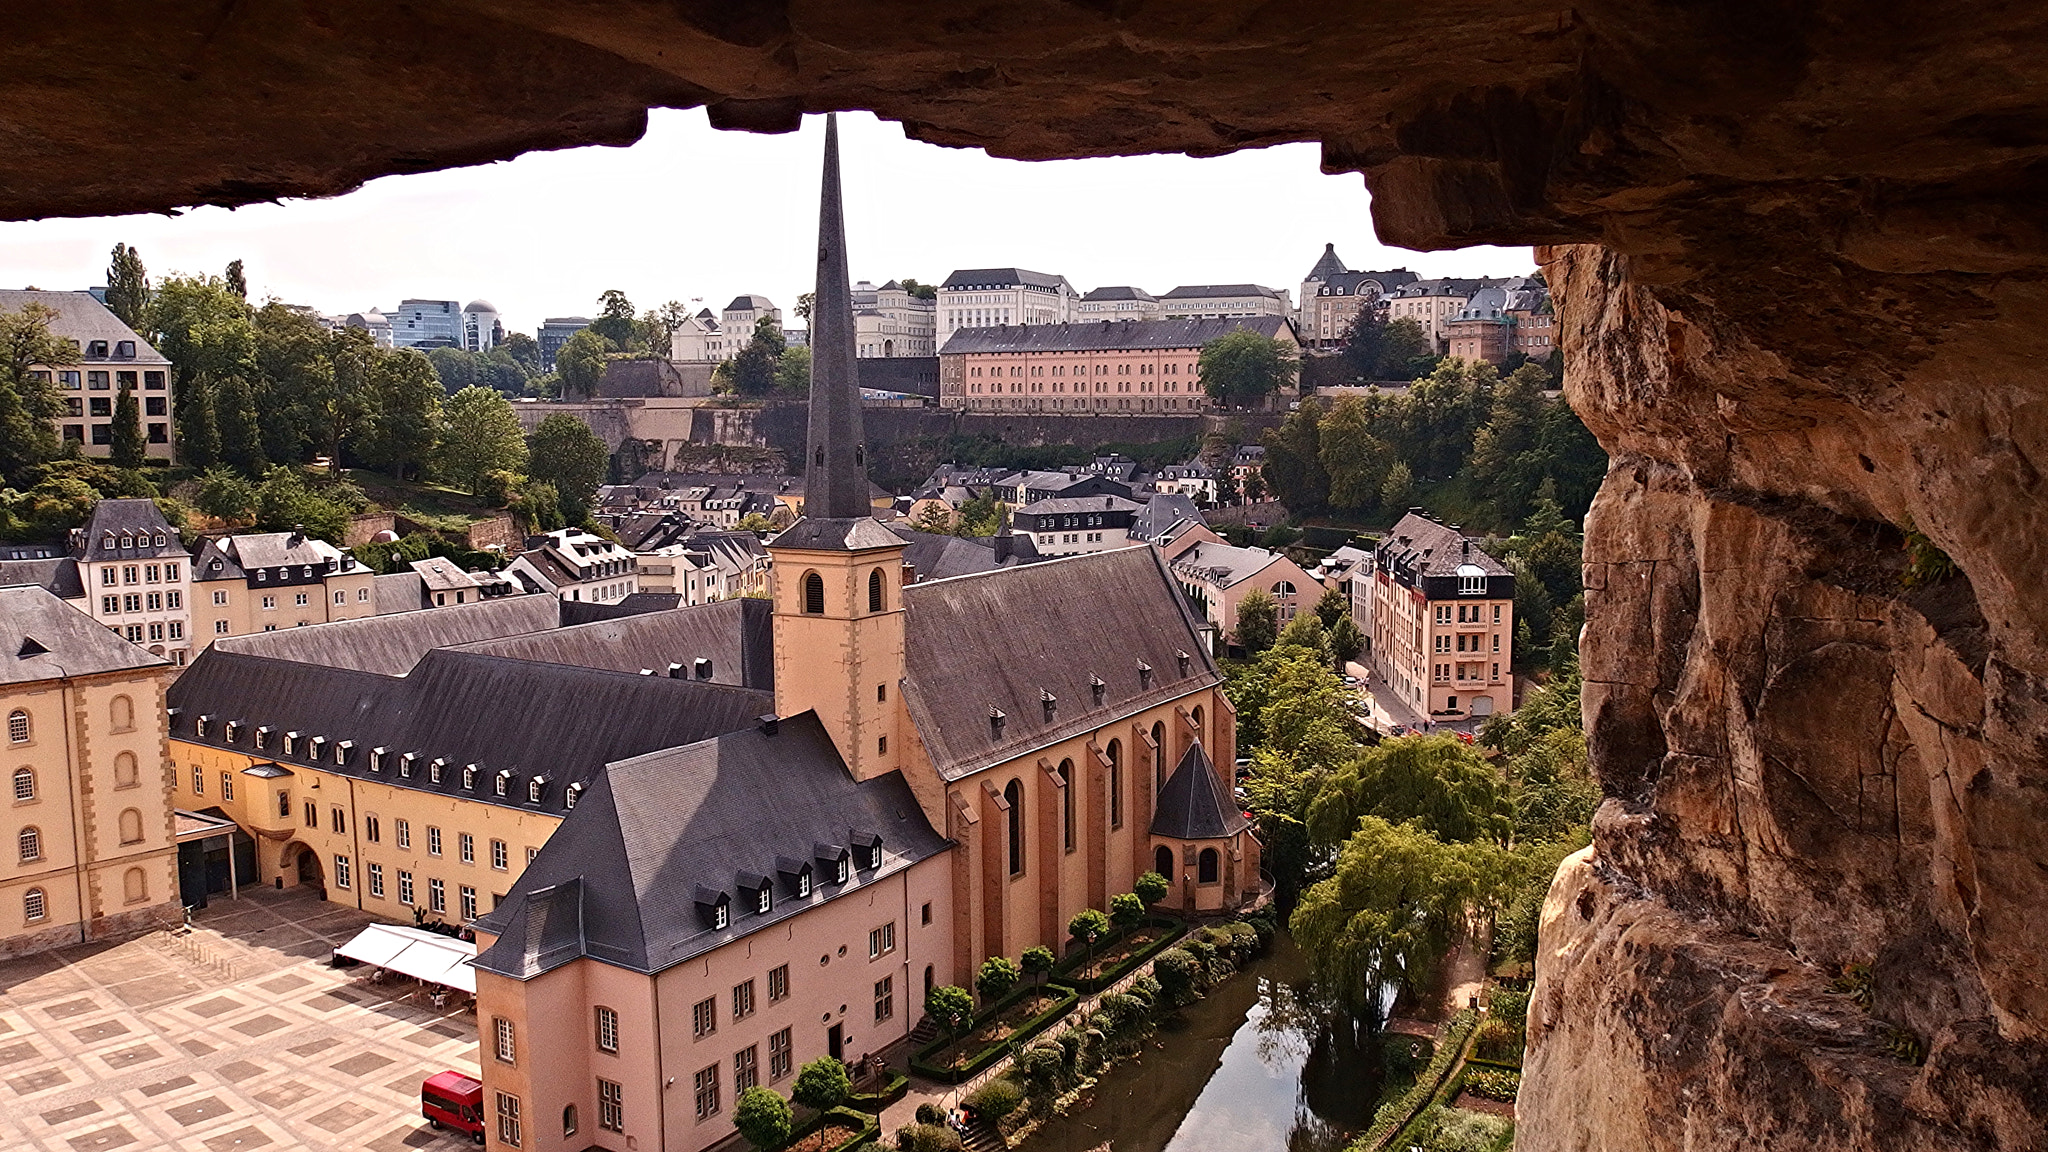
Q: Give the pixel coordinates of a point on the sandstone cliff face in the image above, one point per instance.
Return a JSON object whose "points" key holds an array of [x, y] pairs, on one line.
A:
{"points": [[1813, 320]]}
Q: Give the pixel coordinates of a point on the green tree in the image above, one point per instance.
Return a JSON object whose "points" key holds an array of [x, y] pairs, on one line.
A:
{"points": [[805, 301], [1126, 910], [1399, 486], [127, 449], [981, 516], [1439, 782], [1151, 887], [456, 368], [294, 371], [241, 431], [1240, 367], [283, 502], [524, 350], [762, 1117], [661, 325], [1038, 962], [921, 291], [615, 322], [483, 436], [1353, 458], [342, 405], [237, 281], [754, 369], [1258, 616], [198, 434], [793, 372], [1305, 631], [933, 518], [564, 452], [580, 363], [128, 287], [1347, 640], [1293, 471], [208, 333], [997, 976], [227, 496], [822, 1084], [1404, 350], [1333, 605], [1397, 900], [1086, 923], [403, 409], [951, 1007], [29, 404]]}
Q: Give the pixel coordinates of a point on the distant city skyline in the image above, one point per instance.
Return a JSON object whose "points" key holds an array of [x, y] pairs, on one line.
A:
{"points": [[700, 216]]}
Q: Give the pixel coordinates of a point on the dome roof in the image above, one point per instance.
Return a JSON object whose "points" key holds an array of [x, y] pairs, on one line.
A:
{"points": [[480, 306]]}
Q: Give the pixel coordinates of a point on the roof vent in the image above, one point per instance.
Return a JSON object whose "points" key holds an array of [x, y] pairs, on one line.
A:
{"points": [[1097, 687], [702, 666], [1183, 659], [770, 724], [1050, 701], [1144, 674], [675, 671], [996, 719], [30, 646]]}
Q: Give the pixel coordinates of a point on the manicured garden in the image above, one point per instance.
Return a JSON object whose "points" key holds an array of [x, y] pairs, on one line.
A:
{"points": [[1014, 1018]]}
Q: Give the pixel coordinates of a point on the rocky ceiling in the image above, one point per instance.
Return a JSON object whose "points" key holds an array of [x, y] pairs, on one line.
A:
{"points": [[1799, 250]]}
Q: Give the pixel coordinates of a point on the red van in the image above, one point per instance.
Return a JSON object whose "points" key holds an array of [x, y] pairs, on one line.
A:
{"points": [[452, 1100]]}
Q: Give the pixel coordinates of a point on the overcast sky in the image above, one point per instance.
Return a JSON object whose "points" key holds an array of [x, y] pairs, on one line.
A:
{"points": [[694, 213]]}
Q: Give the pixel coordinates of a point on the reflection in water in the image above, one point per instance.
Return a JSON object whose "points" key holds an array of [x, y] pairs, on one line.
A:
{"points": [[1262, 1063]]}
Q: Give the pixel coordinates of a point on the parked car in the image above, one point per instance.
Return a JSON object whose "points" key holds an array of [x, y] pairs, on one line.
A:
{"points": [[1398, 730], [453, 1100], [1351, 680]]}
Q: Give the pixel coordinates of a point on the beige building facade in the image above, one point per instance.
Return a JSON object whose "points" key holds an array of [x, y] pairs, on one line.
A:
{"points": [[90, 849], [1442, 623], [1106, 367], [112, 359], [262, 582]]}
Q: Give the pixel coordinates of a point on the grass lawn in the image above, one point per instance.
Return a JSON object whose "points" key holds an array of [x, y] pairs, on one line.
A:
{"points": [[430, 504], [829, 1135], [1108, 956], [994, 1030]]}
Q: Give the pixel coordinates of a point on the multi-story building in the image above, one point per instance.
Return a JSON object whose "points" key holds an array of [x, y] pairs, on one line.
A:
{"points": [[136, 576], [1333, 297], [1443, 621], [1225, 301], [481, 328], [1217, 577], [1430, 303], [1482, 329], [994, 297], [112, 359], [1119, 302], [1536, 328], [555, 332], [739, 318], [1193, 478], [90, 845], [427, 324], [576, 565], [1117, 367], [265, 581], [889, 321], [1069, 526], [372, 321], [697, 339]]}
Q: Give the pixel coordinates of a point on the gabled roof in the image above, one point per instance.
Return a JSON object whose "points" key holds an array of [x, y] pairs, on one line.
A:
{"points": [[128, 529], [465, 707], [1193, 806], [1161, 512], [391, 645], [622, 879], [81, 317], [278, 549], [1427, 548], [43, 638], [937, 557], [57, 575], [1106, 335], [749, 302], [1057, 504], [845, 534], [736, 636], [998, 640], [1000, 277], [1224, 565]]}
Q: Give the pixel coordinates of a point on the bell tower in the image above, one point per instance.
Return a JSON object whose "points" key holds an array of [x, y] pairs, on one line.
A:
{"points": [[838, 573]]}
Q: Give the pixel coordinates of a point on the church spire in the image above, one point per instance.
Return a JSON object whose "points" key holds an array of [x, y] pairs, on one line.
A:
{"points": [[835, 473]]}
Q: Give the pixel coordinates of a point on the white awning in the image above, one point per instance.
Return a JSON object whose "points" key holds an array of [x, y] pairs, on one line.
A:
{"points": [[417, 953]]}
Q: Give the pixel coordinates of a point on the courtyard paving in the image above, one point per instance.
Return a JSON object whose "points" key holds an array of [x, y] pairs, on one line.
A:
{"points": [[233, 1038]]}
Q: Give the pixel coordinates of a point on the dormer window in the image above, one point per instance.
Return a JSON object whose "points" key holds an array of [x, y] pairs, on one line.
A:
{"points": [[314, 747], [764, 900], [231, 731], [291, 742], [96, 349], [571, 795], [377, 759], [503, 784], [341, 750], [469, 777], [434, 770], [1182, 659], [535, 789], [797, 874], [1471, 580], [803, 885], [405, 764], [715, 907], [867, 847], [200, 724]]}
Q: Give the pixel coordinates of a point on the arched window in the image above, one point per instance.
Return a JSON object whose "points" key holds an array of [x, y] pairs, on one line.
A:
{"points": [[569, 1120], [1116, 795], [1158, 756], [24, 783], [1014, 796], [875, 590], [124, 771], [135, 886], [131, 826], [1197, 715], [1162, 861], [1283, 588], [30, 843], [814, 594], [34, 905], [1066, 771], [17, 727], [121, 713], [1208, 867]]}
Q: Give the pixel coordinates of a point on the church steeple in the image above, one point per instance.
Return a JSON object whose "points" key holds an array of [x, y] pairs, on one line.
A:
{"points": [[835, 467]]}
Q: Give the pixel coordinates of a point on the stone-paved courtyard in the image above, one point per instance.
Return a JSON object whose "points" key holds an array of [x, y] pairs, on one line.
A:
{"points": [[236, 1037]]}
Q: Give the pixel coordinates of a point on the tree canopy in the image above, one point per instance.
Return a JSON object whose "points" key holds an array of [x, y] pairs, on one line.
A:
{"points": [[1239, 367], [564, 452], [1258, 616], [1439, 782], [483, 437]]}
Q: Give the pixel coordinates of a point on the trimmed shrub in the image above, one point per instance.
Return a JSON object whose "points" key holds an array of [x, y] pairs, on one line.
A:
{"points": [[762, 1117], [1151, 888], [952, 1007], [994, 1100], [1126, 910], [822, 1084], [1174, 970], [998, 975], [929, 1113], [1493, 1083], [927, 1138], [1088, 922], [1038, 962]]}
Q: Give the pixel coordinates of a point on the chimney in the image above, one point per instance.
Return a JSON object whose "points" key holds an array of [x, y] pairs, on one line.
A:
{"points": [[770, 724]]}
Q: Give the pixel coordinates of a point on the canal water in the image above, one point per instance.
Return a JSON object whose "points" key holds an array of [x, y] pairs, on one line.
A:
{"points": [[1259, 1064]]}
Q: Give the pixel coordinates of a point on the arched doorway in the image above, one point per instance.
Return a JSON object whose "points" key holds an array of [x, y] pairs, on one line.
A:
{"points": [[304, 864]]}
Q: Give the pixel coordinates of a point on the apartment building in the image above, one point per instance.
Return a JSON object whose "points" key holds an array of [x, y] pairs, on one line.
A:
{"points": [[1217, 577], [1481, 329], [889, 321], [1069, 526], [135, 576], [112, 359], [1431, 303], [89, 849], [261, 582], [1119, 302], [1109, 366], [1333, 297], [995, 297], [1224, 301], [738, 319], [576, 565], [1443, 621]]}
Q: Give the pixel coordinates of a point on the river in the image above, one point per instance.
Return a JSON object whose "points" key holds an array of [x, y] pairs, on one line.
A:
{"points": [[1257, 1065]]}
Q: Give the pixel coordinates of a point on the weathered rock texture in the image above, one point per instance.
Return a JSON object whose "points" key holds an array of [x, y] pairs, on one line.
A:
{"points": [[1812, 320]]}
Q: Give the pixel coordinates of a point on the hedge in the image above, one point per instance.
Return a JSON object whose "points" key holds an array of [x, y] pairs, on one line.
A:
{"points": [[893, 1089], [1064, 999], [865, 1127], [1175, 929], [1394, 1115]]}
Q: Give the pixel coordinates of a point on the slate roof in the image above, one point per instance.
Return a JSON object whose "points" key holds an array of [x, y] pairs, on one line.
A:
{"points": [[1000, 277], [277, 549], [1193, 805], [1056, 504], [997, 640], [1161, 512], [43, 638], [749, 302], [391, 645], [620, 880], [848, 534], [1388, 281], [1119, 292], [1216, 291], [398, 592], [1442, 287], [440, 574], [1327, 265], [81, 317], [464, 707], [136, 521], [936, 557], [56, 575], [1224, 565], [1426, 548], [737, 636], [1105, 335]]}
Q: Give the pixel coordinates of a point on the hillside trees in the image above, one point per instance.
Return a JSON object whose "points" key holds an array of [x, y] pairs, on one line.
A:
{"points": [[483, 436], [1241, 366], [565, 453], [28, 403]]}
